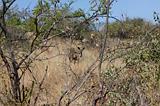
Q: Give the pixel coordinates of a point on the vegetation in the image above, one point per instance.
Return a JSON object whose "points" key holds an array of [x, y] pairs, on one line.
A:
{"points": [[118, 64]]}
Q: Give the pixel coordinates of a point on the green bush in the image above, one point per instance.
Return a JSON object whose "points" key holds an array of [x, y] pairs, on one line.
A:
{"points": [[129, 28]]}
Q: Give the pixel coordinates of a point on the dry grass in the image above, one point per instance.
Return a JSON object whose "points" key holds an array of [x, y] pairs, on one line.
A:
{"points": [[62, 74]]}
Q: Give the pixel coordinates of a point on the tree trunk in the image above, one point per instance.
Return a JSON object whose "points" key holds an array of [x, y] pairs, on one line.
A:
{"points": [[15, 84]]}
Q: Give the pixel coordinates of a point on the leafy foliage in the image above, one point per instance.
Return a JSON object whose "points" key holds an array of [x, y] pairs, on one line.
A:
{"points": [[129, 28]]}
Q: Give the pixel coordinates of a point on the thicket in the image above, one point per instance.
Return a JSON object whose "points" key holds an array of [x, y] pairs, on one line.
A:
{"points": [[24, 33]]}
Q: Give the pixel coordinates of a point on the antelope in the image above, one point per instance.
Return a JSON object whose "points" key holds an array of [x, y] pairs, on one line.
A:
{"points": [[75, 54]]}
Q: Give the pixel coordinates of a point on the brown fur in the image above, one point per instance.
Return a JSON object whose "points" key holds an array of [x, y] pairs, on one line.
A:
{"points": [[75, 54]]}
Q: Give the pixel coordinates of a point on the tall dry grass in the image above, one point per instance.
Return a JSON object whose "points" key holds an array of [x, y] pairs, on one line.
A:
{"points": [[63, 74]]}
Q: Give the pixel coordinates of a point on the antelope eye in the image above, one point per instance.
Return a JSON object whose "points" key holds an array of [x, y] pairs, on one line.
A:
{"points": [[79, 48]]}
